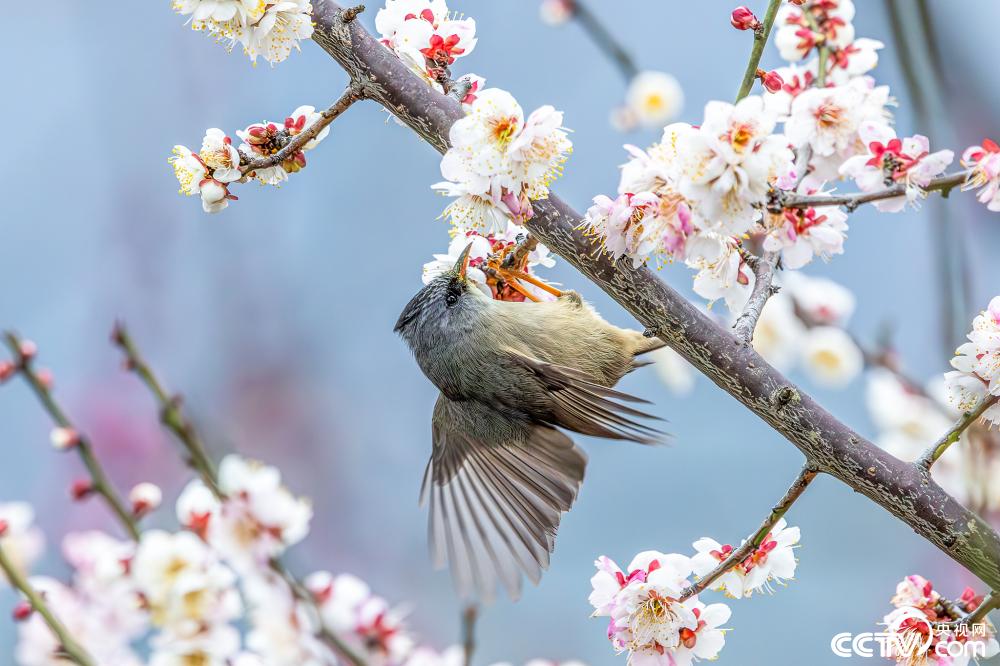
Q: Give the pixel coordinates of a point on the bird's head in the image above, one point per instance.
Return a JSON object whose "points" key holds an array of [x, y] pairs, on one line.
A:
{"points": [[445, 304]]}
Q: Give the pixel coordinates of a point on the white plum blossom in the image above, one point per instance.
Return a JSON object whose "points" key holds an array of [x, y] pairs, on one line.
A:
{"points": [[283, 632], [984, 163], [425, 27], [499, 161], [799, 234], [264, 29], [22, 541], [891, 160], [773, 561], [730, 162], [196, 178], [830, 357], [854, 60], [653, 98], [795, 35], [819, 301], [980, 356], [145, 497], [722, 272], [706, 640]]}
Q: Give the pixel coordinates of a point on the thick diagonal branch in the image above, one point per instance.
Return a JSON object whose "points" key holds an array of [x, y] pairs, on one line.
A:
{"points": [[828, 444]]}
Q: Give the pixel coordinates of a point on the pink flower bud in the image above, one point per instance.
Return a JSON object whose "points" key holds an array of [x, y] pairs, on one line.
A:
{"points": [[45, 377], [145, 497], [4, 526], [64, 438], [743, 19], [28, 350], [81, 489], [797, 3], [7, 370], [772, 81], [22, 611]]}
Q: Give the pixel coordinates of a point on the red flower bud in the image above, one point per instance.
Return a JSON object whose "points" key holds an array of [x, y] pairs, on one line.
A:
{"points": [[7, 370], [81, 489], [797, 3], [3, 527], [22, 611], [28, 350], [45, 378], [743, 19], [772, 81]]}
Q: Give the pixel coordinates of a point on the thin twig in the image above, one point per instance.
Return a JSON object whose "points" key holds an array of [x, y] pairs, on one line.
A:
{"points": [[759, 42], [793, 493], [605, 40], [351, 95], [173, 418], [68, 647], [851, 201], [989, 603], [99, 482], [171, 415], [763, 271], [938, 448], [469, 617]]}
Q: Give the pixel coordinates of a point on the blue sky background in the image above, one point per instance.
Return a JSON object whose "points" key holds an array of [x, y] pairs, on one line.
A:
{"points": [[275, 317]]}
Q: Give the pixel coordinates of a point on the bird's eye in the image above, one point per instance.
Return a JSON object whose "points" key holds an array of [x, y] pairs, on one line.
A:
{"points": [[451, 298]]}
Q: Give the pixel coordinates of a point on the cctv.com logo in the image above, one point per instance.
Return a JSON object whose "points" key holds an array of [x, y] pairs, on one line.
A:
{"points": [[916, 639]]}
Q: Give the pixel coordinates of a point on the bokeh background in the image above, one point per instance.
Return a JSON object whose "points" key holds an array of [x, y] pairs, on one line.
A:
{"points": [[275, 317]]}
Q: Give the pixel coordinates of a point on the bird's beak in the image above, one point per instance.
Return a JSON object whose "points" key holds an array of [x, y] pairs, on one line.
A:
{"points": [[462, 265]]}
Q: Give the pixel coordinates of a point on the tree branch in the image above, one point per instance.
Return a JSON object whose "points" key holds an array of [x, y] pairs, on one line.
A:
{"points": [[747, 548], [173, 418], [67, 645], [938, 448], [763, 270], [829, 445], [99, 482], [605, 40], [944, 184], [326, 116], [759, 42]]}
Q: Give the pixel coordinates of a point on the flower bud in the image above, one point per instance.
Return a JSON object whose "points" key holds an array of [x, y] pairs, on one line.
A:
{"points": [[81, 489], [28, 350], [744, 19], [7, 370], [797, 3], [145, 497], [22, 611], [45, 378], [64, 438], [772, 81], [4, 526], [212, 191]]}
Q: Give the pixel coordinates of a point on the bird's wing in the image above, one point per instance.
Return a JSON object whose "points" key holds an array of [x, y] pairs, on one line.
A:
{"points": [[569, 399], [498, 486]]}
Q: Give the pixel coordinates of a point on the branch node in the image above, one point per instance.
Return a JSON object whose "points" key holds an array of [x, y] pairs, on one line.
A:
{"points": [[351, 13]]}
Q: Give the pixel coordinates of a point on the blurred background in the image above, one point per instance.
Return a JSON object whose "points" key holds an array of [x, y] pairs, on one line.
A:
{"points": [[274, 318]]}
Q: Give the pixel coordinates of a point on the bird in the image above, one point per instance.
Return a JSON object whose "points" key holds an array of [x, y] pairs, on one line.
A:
{"points": [[511, 375]]}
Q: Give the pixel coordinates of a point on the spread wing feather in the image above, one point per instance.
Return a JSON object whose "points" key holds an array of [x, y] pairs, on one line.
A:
{"points": [[497, 487]]}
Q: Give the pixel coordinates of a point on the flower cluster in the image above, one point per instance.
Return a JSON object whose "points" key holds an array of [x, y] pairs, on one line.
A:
{"points": [[977, 365], [210, 171], [489, 250], [269, 30], [426, 36], [499, 161], [652, 618], [647, 618], [984, 165], [924, 628]]}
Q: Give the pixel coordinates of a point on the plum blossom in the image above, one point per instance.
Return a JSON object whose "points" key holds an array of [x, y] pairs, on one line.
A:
{"points": [[283, 632], [425, 27], [799, 234], [795, 79], [830, 357], [647, 618], [499, 161], [555, 12], [268, 30], [819, 301], [830, 24], [984, 163], [722, 271], [980, 356], [195, 177], [891, 160], [640, 226], [828, 120], [22, 541], [482, 248], [854, 60], [730, 162], [653, 98], [772, 561]]}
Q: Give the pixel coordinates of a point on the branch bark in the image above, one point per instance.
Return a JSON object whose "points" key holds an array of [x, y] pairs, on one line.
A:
{"points": [[829, 445], [763, 271]]}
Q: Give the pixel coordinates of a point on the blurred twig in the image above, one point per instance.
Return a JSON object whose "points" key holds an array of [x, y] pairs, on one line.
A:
{"points": [[67, 646], [938, 448], [173, 418], [99, 482], [469, 617], [604, 39]]}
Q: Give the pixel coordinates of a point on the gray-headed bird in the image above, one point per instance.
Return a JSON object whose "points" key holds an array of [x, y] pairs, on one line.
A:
{"points": [[510, 373]]}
